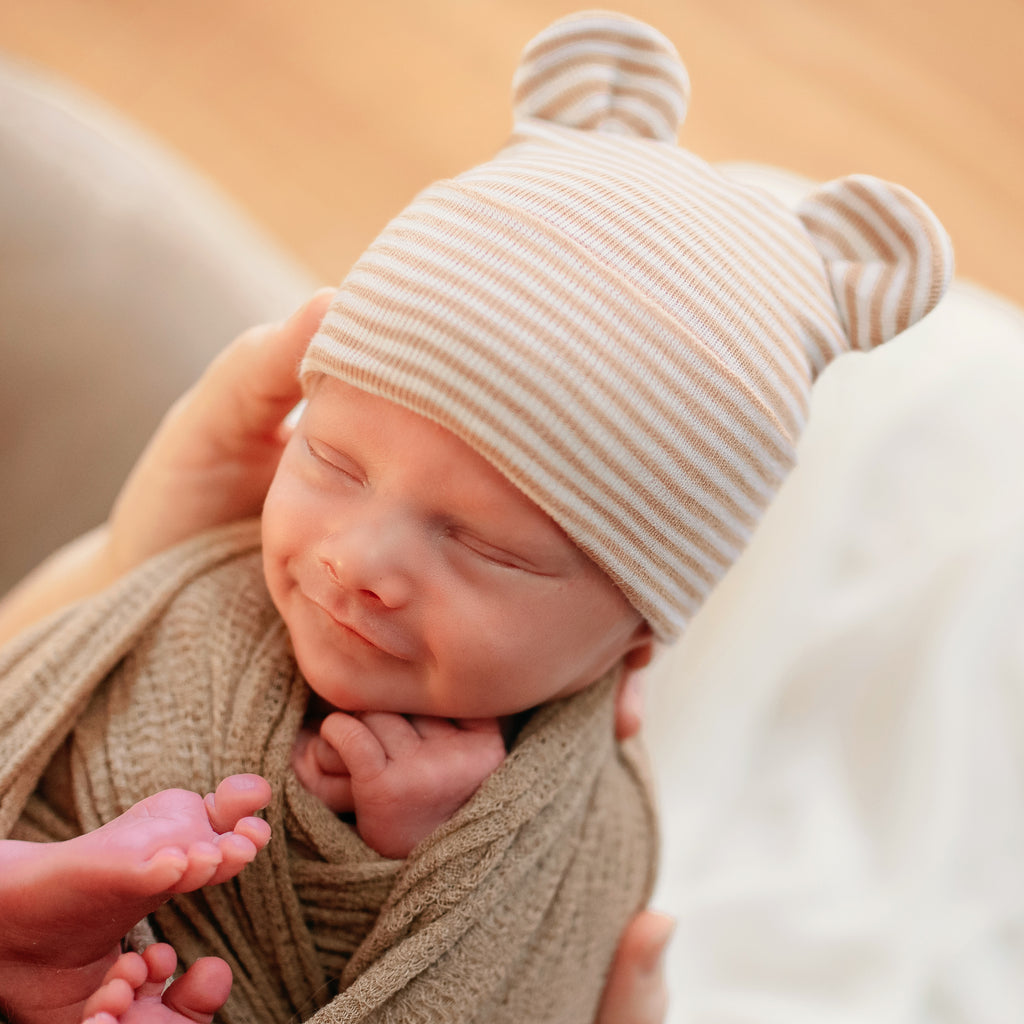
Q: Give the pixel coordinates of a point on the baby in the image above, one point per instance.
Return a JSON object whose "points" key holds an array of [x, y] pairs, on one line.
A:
{"points": [[545, 411], [409, 572]]}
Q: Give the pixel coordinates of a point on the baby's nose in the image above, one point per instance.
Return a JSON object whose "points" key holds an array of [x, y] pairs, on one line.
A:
{"points": [[373, 562]]}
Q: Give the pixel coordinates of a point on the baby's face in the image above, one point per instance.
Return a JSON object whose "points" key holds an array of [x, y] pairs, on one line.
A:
{"points": [[413, 577]]}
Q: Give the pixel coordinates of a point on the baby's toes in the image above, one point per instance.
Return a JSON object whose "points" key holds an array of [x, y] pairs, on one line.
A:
{"points": [[161, 873], [101, 1018], [129, 967], [203, 861], [176, 869], [160, 960], [256, 830], [237, 797], [112, 997], [201, 991], [236, 852]]}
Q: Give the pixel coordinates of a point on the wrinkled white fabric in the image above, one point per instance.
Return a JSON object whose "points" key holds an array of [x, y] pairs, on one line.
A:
{"points": [[839, 738]]}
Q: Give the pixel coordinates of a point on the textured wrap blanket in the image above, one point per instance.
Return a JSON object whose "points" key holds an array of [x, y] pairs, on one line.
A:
{"points": [[182, 673]]}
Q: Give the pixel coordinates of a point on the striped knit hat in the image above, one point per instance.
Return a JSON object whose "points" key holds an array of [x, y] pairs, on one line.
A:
{"points": [[626, 334]]}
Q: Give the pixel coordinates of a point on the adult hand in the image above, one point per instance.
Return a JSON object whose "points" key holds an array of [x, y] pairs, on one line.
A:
{"points": [[210, 462], [213, 456], [635, 992], [629, 698]]}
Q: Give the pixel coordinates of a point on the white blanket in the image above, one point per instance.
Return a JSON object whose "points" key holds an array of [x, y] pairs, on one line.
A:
{"points": [[839, 738]]}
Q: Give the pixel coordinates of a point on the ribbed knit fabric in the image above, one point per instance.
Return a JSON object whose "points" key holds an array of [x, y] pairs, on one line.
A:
{"points": [[626, 334]]}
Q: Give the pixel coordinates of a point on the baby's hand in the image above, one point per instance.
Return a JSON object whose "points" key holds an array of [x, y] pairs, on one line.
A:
{"points": [[402, 775], [322, 772]]}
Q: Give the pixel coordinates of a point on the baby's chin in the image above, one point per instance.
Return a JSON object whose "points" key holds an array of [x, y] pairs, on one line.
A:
{"points": [[331, 693], [330, 697]]}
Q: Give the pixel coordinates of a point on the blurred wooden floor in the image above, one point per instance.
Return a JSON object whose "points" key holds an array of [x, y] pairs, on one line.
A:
{"points": [[322, 117]]}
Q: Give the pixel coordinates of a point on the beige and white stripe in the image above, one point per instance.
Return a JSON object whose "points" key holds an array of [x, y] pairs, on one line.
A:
{"points": [[603, 72], [877, 239], [630, 337]]}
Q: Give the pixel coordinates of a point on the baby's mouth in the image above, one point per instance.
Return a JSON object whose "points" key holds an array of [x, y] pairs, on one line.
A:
{"points": [[383, 641]]}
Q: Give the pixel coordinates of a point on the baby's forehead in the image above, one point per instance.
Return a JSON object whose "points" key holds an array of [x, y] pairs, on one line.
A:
{"points": [[380, 427]]}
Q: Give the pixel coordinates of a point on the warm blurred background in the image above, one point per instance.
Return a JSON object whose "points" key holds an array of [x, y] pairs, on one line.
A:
{"points": [[122, 271], [322, 117]]}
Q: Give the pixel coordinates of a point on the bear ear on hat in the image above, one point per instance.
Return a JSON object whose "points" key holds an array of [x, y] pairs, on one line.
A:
{"points": [[887, 257], [605, 72]]}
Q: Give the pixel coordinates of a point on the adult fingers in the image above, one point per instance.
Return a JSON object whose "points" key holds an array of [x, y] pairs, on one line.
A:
{"points": [[629, 705], [255, 379], [635, 992]]}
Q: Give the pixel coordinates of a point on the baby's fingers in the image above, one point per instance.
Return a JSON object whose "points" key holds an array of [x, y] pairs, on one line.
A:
{"points": [[480, 726], [327, 759], [333, 790], [359, 747], [429, 727]]}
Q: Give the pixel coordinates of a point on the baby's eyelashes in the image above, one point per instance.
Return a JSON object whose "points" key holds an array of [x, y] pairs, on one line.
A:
{"points": [[489, 552], [332, 459], [503, 558]]}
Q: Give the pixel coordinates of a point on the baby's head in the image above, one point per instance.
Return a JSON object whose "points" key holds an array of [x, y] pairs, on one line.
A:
{"points": [[413, 577], [615, 333]]}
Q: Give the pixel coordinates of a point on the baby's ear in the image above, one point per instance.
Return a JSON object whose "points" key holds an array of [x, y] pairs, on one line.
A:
{"points": [[887, 257]]}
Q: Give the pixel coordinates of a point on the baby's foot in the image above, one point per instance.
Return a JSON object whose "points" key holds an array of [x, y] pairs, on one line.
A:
{"points": [[65, 906], [133, 990]]}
